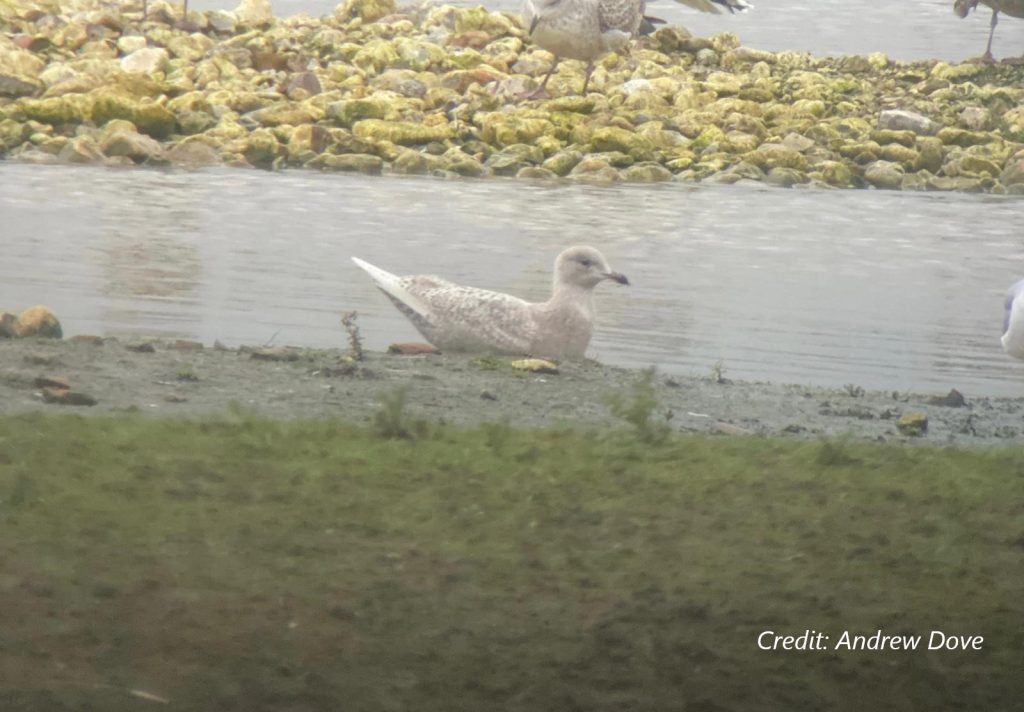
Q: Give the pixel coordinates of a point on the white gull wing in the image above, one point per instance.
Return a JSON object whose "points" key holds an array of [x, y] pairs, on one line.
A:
{"points": [[459, 318], [1013, 321]]}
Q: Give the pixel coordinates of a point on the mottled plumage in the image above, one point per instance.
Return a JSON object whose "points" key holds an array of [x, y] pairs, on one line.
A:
{"points": [[1013, 321], [1013, 8], [458, 318], [587, 29]]}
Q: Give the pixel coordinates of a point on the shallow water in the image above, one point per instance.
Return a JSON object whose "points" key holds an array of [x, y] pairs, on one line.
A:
{"points": [[909, 29], [881, 289]]}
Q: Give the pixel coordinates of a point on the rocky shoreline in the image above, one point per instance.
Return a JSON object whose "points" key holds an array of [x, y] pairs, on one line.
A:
{"points": [[96, 376], [376, 88]]}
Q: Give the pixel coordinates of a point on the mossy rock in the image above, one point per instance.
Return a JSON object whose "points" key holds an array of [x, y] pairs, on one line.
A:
{"points": [[499, 129], [283, 113], [348, 112], [149, 117], [647, 172], [775, 155], [614, 139], [366, 10], [38, 321], [57, 111], [563, 161], [402, 133], [349, 162]]}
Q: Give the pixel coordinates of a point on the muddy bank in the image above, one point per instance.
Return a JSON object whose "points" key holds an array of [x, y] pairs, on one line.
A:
{"points": [[171, 379]]}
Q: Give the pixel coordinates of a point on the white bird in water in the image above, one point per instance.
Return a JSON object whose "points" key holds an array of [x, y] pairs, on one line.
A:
{"points": [[458, 318], [1013, 321], [588, 29], [1013, 8]]}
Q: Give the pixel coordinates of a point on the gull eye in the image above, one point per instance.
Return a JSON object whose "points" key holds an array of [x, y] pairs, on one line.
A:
{"points": [[586, 262]]}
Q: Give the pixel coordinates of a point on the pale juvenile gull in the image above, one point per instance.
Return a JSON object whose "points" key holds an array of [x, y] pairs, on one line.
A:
{"points": [[457, 318], [1013, 8], [1013, 321], [588, 29]]}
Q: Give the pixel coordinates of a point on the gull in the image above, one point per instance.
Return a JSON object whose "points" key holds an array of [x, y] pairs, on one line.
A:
{"points": [[453, 317], [1013, 8], [1013, 321], [588, 29]]}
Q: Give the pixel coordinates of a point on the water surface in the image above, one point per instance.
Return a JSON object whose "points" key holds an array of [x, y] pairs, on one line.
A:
{"points": [[887, 290]]}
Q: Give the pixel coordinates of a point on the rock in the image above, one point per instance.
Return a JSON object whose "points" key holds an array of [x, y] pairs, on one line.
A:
{"points": [[648, 172], [57, 382], [144, 347], [186, 345], [253, 13], [356, 162], [611, 138], [81, 149], [90, 339], [275, 353], [8, 322], [562, 162], [900, 120], [348, 112], [14, 86], [283, 113], [884, 174], [836, 173], [913, 424], [931, 155], [953, 399], [146, 61], [125, 141], [402, 133], [192, 154], [412, 348], [1013, 171], [222, 22], [367, 10], [775, 155], [975, 118], [535, 365], [952, 136], [63, 396], [785, 177], [594, 170]]}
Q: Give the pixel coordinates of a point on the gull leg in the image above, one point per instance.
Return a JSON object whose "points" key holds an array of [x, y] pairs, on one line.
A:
{"points": [[987, 57], [540, 90], [586, 77]]}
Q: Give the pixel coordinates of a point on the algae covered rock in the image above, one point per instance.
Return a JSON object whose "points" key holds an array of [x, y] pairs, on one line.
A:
{"points": [[38, 321], [403, 133], [120, 138], [884, 174], [146, 61], [366, 10]]}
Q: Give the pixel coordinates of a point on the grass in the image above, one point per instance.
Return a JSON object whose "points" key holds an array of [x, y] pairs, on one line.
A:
{"points": [[252, 564]]}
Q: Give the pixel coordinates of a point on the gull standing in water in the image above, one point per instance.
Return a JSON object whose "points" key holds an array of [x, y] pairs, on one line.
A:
{"points": [[457, 318], [1013, 321], [1013, 8], [588, 29]]}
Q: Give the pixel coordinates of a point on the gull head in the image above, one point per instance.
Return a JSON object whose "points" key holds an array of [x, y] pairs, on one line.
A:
{"points": [[585, 267]]}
